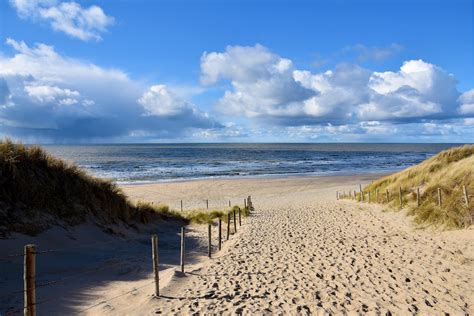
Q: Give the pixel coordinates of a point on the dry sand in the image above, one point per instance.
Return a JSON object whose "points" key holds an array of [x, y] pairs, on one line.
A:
{"points": [[304, 252], [300, 252]]}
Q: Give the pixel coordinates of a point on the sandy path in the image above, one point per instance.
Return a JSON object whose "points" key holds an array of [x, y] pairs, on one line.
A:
{"points": [[303, 252]]}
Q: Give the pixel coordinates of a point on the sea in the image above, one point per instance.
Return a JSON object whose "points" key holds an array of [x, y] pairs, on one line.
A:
{"points": [[147, 163]]}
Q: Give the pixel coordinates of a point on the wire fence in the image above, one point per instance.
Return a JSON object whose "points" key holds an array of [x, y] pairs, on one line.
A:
{"points": [[415, 198], [32, 284]]}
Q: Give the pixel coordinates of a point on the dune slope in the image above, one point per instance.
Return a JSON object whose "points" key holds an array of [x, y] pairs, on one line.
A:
{"points": [[38, 191], [449, 171]]}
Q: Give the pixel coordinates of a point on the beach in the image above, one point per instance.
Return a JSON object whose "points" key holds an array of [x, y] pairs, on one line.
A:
{"points": [[300, 251]]}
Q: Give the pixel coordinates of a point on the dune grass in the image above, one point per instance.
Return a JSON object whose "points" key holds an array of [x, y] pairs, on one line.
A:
{"points": [[449, 171], [38, 190], [209, 216]]}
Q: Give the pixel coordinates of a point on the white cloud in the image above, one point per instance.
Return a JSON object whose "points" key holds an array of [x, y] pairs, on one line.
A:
{"points": [[159, 101], [263, 83], [467, 102], [58, 98], [268, 87], [68, 17], [45, 93], [419, 89]]}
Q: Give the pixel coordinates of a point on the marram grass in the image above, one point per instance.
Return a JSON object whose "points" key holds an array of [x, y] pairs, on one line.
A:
{"points": [[38, 190], [449, 171], [210, 216]]}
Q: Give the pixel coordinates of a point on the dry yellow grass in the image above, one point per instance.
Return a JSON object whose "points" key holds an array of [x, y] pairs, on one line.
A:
{"points": [[207, 216], [448, 171], [38, 190]]}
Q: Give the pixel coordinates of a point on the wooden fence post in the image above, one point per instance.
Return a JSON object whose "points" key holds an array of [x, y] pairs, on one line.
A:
{"points": [[182, 249], [240, 219], [377, 195], [154, 249], [235, 224], [387, 195], [228, 225], [355, 196], [369, 197], [466, 196], [229, 203], [439, 197], [337, 195], [220, 234], [209, 246], [181, 205], [401, 197], [418, 197], [245, 203], [207, 204], [29, 280]]}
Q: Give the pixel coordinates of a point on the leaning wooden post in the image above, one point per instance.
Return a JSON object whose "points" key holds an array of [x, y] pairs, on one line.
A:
{"points": [[228, 225], [229, 203], [220, 234], [235, 223], [181, 205], [29, 280], [182, 249], [439, 197], [466, 196], [154, 249], [401, 197], [209, 246], [418, 197], [240, 217], [207, 204]]}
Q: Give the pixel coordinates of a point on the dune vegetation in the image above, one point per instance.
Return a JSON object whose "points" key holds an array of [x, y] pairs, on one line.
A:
{"points": [[205, 216], [38, 190], [449, 171]]}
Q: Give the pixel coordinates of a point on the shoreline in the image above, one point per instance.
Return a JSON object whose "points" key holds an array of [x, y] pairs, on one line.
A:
{"points": [[258, 177]]}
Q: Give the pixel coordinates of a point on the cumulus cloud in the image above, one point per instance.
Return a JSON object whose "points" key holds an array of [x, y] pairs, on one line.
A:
{"points": [[268, 87], [46, 94], [159, 101], [467, 102], [67, 17], [263, 83], [56, 98]]}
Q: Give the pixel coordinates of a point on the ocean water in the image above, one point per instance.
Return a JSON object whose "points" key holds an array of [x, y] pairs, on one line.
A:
{"points": [[142, 163]]}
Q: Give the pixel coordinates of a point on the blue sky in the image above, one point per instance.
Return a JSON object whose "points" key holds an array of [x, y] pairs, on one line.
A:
{"points": [[296, 71]]}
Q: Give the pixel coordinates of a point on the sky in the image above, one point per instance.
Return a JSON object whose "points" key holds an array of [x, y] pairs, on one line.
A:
{"points": [[236, 71]]}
